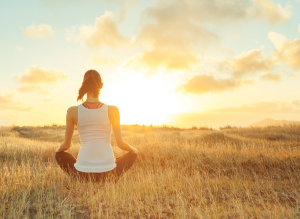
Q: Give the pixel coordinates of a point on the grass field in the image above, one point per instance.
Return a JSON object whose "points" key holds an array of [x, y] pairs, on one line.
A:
{"points": [[179, 173]]}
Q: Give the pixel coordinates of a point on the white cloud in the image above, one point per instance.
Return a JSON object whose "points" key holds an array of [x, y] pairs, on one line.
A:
{"points": [[47, 100], [247, 63], [122, 14], [171, 59], [40, 31], [277, 39], [104, 32], [100, 59], [36, 75], [275, 14], [202, 84], [31, 88], [8, 102], [174, 32], [269, 76], [250, 62], [287, 51], [71, 34], [263, 107], [37, 79], [62, 3]]}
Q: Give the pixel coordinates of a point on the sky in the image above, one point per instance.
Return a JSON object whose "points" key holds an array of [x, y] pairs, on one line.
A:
{"points": [[174, 62]]}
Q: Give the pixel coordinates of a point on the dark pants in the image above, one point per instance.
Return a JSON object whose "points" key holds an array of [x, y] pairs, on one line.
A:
{"points": [[66, 161]]}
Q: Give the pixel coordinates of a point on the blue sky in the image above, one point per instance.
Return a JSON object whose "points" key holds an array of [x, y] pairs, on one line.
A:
{"points": [[158, 59]]}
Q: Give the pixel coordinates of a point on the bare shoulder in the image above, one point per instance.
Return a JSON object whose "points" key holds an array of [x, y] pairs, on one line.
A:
{"points": [[72, 109], [113, 110], [72, 114], [113, 114]]}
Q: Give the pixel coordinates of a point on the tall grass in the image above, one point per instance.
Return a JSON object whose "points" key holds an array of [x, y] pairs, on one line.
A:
{"points": [[192, 173]]}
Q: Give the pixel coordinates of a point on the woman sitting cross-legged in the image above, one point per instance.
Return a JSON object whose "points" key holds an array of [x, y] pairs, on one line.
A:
{"points": [[94, 120]]}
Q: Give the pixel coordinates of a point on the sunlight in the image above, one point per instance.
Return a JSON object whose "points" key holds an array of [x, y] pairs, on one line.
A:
{"points": [[143, 100]]}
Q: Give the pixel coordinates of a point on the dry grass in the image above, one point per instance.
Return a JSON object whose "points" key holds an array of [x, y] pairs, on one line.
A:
{"points": [[195, 173]]}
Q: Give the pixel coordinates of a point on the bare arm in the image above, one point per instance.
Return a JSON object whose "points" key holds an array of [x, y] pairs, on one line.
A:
{"points": [[114, 117], [70, 125]]}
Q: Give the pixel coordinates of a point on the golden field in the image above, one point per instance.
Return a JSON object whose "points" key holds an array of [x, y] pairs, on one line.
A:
{"points": [[180, 173]]}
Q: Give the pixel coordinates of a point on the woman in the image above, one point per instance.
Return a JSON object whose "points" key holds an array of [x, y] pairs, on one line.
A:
{"points": [[94, 120]]}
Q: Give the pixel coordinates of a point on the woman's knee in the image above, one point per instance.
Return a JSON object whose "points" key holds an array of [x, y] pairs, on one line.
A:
{"points": [[133, 155], [57, 156], [60, 156]]}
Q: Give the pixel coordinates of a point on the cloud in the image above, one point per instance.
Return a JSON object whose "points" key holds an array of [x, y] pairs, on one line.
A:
{"points": [[202, 84], [104, 33], [247, 63], [263, 107], [47, 100], [242, 115], [36, 79], [36, 75], [171, 59], [287, 51], [33, 88], [250, 62], [223, 65], [277, 39], [293, 75], [101, 60], [29, 88], [296, 103], [84, 2], [8, 102], [71, 34], [269, 76], [227, 51], [122, 14], [274, 13], [40, 31], [254, 61], [173, 32]]}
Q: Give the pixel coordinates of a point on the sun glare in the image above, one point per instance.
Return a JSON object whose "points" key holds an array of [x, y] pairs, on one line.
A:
{"points": [[144, 100]]}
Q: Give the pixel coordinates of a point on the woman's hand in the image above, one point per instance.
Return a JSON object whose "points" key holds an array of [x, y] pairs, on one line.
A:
{"points": [[60, 148], [135, 151]]}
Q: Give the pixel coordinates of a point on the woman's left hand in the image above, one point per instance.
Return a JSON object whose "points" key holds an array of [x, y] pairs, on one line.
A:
{"points": [[60, 146]]}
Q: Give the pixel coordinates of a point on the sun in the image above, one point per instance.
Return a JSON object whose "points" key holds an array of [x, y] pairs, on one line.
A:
{"points": [[143, 100]]}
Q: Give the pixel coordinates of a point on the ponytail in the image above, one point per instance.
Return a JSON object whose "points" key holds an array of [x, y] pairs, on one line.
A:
{"points": [[91, 84]]}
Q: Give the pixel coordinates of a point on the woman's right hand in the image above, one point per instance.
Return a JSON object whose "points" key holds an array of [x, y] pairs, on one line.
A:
{"points": [[135, 151]]}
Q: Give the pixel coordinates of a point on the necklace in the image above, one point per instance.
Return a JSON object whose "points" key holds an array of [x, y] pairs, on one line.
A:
{"points": [[98, 106], [93, 102]]}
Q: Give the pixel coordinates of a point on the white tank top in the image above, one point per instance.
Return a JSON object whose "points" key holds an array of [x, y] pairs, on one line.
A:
{"points": [[95, 154]]}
